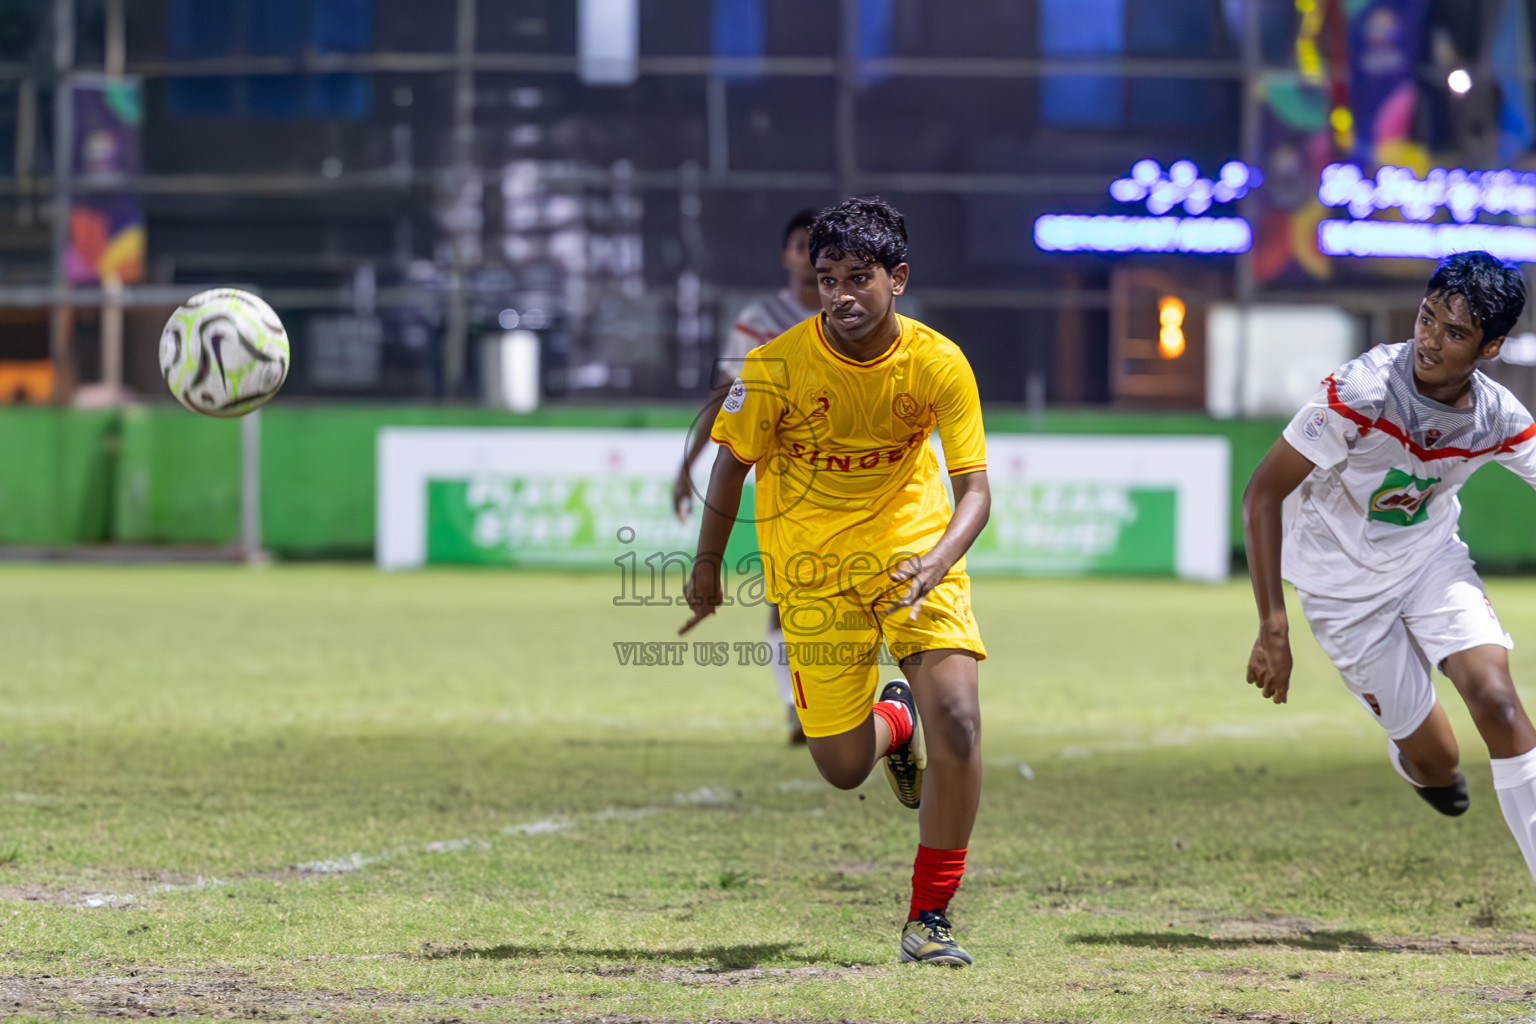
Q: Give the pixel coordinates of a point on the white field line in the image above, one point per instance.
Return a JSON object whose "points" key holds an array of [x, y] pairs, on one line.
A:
{"points": [[705, 796]]}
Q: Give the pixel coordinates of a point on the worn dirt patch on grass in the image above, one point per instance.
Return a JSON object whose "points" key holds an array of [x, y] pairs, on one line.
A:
{"points": [[229, 994], [711, 977], [152, 992]]}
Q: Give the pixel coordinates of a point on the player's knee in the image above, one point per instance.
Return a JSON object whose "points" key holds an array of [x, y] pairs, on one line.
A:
{"points": [[843, 776], [1494, 704], [842, 771], [1436, 761], [957, 725]]}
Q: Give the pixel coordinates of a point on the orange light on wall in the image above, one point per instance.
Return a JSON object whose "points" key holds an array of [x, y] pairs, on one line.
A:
{"points": [[1170, 337]]}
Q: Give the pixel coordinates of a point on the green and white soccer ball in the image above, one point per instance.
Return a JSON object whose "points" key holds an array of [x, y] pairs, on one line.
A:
{"points": [[224, 353]]}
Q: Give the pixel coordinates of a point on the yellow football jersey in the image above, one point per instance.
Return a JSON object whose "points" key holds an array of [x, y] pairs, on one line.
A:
{"points": [[846, 482]]}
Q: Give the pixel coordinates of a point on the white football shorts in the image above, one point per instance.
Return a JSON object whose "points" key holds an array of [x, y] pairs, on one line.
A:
{"points": [[1385, 646]]}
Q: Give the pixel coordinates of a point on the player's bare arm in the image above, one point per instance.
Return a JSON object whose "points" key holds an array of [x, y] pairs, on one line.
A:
{"points": [[921, 573], [682, 487], [702, 591], [1281, 472]]}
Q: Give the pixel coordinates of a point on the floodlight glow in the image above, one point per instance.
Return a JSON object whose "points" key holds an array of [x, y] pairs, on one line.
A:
{"points": [[1459, 81], [1424, 241], [1076, 233]]}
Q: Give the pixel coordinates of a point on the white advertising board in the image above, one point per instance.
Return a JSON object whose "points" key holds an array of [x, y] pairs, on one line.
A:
{"points": [[537, 497]]}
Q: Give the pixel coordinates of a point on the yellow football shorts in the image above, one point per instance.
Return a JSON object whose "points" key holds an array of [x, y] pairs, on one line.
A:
{"points": [[833, 644]]}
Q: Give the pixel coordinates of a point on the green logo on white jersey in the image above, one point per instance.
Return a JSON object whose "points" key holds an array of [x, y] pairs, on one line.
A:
{"points": [[1402, 500]]}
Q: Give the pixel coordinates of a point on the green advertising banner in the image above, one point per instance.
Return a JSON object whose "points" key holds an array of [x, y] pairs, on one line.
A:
{"points": [[562, 522], [1046, 529], [1072, 529], [553, 498]]}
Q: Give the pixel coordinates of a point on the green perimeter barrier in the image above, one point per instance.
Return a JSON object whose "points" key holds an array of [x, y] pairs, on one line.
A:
{"points": [[162, 475], [57, 475]]}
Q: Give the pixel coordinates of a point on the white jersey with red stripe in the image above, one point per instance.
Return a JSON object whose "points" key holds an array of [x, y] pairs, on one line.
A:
{"points": [[1382, 498], [758, 323]]}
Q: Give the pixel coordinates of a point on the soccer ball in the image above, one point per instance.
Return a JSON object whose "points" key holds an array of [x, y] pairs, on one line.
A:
{"points": [[224, 353]]}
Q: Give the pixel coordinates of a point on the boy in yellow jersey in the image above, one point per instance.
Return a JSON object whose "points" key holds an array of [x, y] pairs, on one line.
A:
{"points": [[860, 544]]}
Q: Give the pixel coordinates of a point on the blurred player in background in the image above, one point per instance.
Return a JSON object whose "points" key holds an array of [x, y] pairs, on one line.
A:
{"points": [[1370, 542], [759, 322], [860, 544]]}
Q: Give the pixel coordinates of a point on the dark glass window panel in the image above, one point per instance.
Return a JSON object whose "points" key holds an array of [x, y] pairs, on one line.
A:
{"points": [[976, 28], [276, 28], [203, 97], [1082, 28], [677, 27], [401, 26], [178, 141], [524, 26], [743, 233], [916, 124], [22, 23], [802, 28], [342, 26], [1082, 101], [203, 28], [1000, 366], [657, 123], [781, 124], [1174, 28], [1278, 24], [1181, 103]]}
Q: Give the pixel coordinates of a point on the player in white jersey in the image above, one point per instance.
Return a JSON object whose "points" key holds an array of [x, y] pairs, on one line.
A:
{"points": [[1367, 473], [759, 322]]}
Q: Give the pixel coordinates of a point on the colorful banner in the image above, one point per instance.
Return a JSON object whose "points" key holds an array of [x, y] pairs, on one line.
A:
{"points": [[590, 499], [1297, 144], [1384, 40], [106, 229]]}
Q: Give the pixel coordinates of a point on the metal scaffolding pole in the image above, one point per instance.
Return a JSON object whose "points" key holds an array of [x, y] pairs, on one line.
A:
{"points": [[456, 332], [1250, 114], [112, 288], [61, 321], [681, 66], [846, 126]]}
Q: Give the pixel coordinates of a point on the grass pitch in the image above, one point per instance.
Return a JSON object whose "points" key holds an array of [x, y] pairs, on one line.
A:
{"points": [[322, 793]]}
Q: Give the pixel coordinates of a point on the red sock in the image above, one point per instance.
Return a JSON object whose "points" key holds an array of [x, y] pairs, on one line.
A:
{"points": [[897, 717], [935, 877]]}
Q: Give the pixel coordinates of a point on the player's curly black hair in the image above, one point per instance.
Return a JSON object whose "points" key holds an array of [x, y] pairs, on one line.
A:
{"points": [[1494, 290], [869, 228]]}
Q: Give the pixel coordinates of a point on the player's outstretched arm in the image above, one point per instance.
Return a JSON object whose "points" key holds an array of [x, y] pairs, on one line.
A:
{"points": [[1281, 472], [702, 591], [682, 487], [921, 573]]}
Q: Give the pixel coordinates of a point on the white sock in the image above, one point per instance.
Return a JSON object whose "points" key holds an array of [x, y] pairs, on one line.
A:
{"points": [[1395, 756], [780, 670], [1514, 779]]}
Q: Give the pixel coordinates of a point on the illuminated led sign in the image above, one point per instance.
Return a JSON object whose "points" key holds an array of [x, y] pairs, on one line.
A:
{"points": [[1424, 241], [1463, 194], [1179, 186]]}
